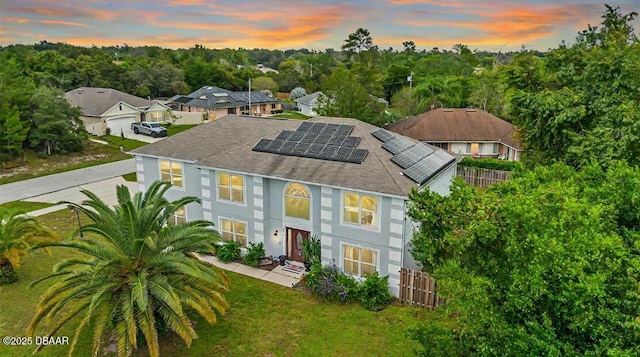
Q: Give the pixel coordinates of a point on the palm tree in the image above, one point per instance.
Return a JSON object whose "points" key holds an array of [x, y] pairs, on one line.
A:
{"points": [[18, 233], [139, 275]]}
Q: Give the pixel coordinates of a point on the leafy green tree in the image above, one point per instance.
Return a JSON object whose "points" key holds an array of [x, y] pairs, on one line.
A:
{"points": [[297, 92], [343, 96], [265, 83], [13, 132], [406, 103], [137, 275], [358, 41], [57, 127], [18, 233], [569, 108], [547, 263]]}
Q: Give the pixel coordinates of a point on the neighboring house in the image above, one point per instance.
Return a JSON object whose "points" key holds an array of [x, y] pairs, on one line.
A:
{"points": [[278, 182], [104, 108], [308, 104], [214, 102], [468, 132]]}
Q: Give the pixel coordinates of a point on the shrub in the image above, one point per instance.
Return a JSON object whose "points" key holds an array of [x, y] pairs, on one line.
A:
{"points": [[374, 294], [329, 283], [7, 274], [254, 253], [108, 131], [491, 164], [311, 249], [229, 251]]}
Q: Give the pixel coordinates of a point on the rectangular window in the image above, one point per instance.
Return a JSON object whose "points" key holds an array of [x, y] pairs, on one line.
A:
{"points": [[230, 187], [155, 116], [467, 149], [360, 209], [171, 171], [180, 216], [359, 261], [444, 146], [273, 106], [231, 230], [495, 148], [231, 110]]}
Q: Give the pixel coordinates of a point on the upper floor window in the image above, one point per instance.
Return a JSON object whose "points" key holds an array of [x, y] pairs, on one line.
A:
{"points": [[180, 216], [359, 261], [171, 171], [234, 231], [230, 187], [360, 209], [297, 201]]}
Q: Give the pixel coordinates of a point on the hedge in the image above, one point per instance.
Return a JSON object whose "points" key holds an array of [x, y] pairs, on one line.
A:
{"points": [[491, 164]]}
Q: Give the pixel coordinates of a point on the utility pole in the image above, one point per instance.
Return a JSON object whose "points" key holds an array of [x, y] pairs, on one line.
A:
{"points": [[249, 95]]}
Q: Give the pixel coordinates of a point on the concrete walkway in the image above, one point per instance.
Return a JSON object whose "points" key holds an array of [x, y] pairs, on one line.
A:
{"points": [[53, 183], [278, 275]]}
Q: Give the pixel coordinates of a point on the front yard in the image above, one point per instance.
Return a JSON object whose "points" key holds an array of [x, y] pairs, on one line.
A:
{"points": [[264, 319]]}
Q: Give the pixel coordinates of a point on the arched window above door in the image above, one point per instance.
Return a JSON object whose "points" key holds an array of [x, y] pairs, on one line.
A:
{"points": [[297, 201]]}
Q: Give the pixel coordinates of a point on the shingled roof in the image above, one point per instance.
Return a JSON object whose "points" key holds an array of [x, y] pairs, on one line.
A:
{"points": [[96, 101], [451, 125], [215, 97], [227, 144]]}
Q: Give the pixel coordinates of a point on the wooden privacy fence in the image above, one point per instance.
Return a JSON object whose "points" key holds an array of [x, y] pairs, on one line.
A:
{"points": [[419, 289], [482, 177]]}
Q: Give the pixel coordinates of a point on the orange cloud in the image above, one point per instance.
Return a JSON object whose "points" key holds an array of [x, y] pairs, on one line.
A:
{"points": [[65, 23]]}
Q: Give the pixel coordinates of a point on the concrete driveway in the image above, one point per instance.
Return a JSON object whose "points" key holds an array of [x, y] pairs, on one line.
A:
{"points": [[71, 179], [144, 138]]}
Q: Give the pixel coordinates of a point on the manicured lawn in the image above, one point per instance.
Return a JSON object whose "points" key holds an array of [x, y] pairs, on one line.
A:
{"points": [[132, 177], [127, 144], [289, 114], [175, 129], [264, 319], [24, 206]]}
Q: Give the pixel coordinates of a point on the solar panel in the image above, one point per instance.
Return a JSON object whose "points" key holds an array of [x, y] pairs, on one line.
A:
{"points": [[411, 155], [296, 136], [317, 127], [425, 169], [287, 147], [314, 150], [344, 129], [357, 156], [343, 154], [323, 139], [337, 140], [330, 128], [275, 146], [328, 152], [300, 149], [262, 145], [351, 141], [284, 135], [309, 137], [383, 135], [305, 126], [397, 145]]}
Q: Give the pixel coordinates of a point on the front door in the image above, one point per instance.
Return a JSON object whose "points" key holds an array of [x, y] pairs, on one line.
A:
{"points": [[295, 237]]}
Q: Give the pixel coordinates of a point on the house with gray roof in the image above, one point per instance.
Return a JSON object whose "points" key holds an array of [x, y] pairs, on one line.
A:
{"points": [[214, 102], [466, 132], [308, 104], [105, 109], [281, 181]]}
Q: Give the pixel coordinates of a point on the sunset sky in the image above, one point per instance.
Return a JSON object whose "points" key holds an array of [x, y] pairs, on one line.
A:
{"points": [[284, 24]]}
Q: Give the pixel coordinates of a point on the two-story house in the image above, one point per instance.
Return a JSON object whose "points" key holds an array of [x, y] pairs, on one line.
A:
{"points": [[280, 181]]}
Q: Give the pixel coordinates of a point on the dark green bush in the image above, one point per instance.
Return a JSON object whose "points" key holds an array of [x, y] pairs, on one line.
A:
{"points": [[7, 274], [329, 283], [229, 251], [254, 253], [491, 164], [373, 293]]}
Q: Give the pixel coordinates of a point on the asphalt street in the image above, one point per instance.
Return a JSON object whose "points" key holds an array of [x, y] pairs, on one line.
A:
{"points": [[53, 183]]}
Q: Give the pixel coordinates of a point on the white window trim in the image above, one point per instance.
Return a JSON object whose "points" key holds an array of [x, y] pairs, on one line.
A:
{"points": [[184, 181], [359, 225], [244, 189], [296, 220], [246, 228], [175, 216], [359, 246]]}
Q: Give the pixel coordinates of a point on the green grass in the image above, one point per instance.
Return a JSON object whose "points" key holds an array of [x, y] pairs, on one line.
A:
{"points": [[127, 144], [25, 206], [175, 129], [264, 318], [289, 114], [132, 177]]}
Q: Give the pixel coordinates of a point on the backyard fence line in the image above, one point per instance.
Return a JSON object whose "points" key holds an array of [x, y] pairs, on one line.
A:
{"points": [[417, 288], [475, 176]]}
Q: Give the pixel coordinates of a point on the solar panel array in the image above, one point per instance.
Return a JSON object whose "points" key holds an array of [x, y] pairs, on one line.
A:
{"points": [[325, 141], [419, 162]]}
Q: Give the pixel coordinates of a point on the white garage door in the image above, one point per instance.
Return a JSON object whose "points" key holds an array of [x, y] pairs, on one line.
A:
{"points": [[121, 125]]}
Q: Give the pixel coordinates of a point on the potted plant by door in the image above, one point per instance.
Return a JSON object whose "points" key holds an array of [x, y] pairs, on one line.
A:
{"points": [[311, 251]]}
